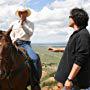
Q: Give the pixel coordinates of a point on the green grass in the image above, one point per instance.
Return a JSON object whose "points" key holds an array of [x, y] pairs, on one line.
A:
{"points": [[46, 56], [50, 61]]}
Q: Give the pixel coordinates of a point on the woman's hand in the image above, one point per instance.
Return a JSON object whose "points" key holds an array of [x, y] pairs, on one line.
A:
{"points": [[52, 49], [56, 49]]}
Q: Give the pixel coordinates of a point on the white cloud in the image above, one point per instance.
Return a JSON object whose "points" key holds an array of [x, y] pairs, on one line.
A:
{"points": [[7, 11], [67, 4], [11, 2], [51, 23]]}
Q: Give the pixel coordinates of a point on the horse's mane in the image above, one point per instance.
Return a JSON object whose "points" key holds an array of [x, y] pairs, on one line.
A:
{"points": [[16, 53], [15, 65]]}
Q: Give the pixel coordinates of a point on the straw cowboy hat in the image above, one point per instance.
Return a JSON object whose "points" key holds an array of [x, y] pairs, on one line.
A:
{"points": [[22, 9]]}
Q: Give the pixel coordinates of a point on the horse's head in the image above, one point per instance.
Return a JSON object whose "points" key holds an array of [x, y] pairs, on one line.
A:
{"points": [[5, 62]]}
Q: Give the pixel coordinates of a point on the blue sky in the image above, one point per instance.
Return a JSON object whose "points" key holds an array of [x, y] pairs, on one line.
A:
{"points": [[50, 17], [37, 5]]}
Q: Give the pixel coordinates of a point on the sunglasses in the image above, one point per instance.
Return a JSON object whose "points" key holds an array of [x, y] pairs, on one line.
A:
{"points": [[22, 12], [70, 16]]}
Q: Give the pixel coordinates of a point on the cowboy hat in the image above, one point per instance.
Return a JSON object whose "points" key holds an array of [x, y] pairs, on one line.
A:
{"points": [[22, 9]]}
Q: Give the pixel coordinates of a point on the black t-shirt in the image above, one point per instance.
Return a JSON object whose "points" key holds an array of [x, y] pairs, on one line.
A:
{"points": [[77, 51]]}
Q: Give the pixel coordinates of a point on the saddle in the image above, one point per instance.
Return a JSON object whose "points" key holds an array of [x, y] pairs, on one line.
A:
{"points": [[24, 52]]}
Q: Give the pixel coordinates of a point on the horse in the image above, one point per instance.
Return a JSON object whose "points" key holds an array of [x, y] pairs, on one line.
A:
{"points": [[15, 71]]}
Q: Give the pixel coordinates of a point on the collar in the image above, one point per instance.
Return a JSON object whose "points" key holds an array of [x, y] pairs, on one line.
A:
{"points": [[81, 28], [24, 21]]}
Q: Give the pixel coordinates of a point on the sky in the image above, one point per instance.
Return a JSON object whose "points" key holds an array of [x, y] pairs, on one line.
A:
{"points": [[50, 17]]}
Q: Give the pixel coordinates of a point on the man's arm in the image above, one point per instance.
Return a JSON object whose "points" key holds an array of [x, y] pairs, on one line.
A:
{"points": [[28, 27], [82, 48], [74, 71], [56, 49]]}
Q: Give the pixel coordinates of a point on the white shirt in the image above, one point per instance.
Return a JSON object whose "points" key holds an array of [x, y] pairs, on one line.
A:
{"points": [[22, 32]]}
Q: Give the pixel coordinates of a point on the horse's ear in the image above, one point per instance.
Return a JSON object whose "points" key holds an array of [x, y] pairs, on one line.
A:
{"points": [[9, 30]]}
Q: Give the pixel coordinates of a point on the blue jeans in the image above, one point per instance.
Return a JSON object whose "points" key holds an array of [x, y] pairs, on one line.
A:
{"points": [[26, 45]]}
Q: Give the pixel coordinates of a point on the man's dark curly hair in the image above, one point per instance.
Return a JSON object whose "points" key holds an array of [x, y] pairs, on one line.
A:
{"points": [[80, 17]]}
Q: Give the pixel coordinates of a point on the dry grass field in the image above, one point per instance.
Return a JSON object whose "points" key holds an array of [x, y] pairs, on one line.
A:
{"points": [[50, 61]]}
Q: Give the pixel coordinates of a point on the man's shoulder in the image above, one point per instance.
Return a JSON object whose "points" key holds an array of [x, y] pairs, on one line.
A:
{"points": [[84, 33], [29, 22]]}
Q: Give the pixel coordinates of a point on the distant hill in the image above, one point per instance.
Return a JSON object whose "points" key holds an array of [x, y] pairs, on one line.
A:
{"points": [[50, 44]]}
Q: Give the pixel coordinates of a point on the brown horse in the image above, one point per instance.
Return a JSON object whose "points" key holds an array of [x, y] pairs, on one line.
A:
{"points": [[15, 73]]}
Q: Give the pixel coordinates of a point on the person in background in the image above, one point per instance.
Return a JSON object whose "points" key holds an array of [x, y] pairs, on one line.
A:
{"points": [[22, 31], [74, 68]]}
